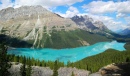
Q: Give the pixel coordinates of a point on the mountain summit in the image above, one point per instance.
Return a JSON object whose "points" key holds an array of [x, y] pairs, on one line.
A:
{"points": [[87, 23], [125, 31], [42, 28]]}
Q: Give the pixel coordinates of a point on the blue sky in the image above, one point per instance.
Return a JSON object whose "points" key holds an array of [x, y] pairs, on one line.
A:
{"points": [[115, 14]]}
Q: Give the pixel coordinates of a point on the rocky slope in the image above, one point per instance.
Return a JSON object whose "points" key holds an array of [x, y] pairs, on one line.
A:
{"points": [[41, 28], [125, 31], [116, 69], [120, 69], [87, 23], [46, 71]]}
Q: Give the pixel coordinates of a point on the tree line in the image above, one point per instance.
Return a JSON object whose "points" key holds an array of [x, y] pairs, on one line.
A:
{"points": [[27, 62], [92, 63]]}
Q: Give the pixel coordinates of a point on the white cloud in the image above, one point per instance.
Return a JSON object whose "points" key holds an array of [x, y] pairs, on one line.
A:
{"points": [[109, 22], [95, 9], [120, 15], [44, 3], [5, 3], [100, 7], [127, 18], [72, 11]]}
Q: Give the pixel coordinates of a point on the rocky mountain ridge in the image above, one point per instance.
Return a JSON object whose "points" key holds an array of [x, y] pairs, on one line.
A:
{"points": [[30, 23], [87, 23], [41, 28], [125, 31]]}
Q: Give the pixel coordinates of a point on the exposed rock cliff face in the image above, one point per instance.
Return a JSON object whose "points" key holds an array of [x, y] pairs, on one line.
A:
{"points": [[31, 23], [125, 32], [115, 69], [120, 69], [42, 28], [88, 24]]}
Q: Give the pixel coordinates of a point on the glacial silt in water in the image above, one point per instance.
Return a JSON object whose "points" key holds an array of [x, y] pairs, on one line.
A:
{"points": [[69, 54]]}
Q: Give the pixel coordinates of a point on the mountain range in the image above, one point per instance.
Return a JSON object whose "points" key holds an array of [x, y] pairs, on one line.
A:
{"points": [[41, 28], [125, 31], [87, 23]]}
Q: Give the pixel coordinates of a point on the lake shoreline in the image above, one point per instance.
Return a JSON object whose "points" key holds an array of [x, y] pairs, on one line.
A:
{"points": [[65, 55]]}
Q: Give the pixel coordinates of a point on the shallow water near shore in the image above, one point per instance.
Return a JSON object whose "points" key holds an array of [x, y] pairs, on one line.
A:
{"points": [[68, 54]]}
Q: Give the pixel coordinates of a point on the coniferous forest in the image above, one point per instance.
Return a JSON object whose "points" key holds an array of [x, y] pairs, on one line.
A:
{"points": [[92, 63], [65, 38]]}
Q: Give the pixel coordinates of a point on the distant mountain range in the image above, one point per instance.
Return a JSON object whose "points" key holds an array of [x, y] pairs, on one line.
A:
{"points": [[88, 24], [44, 29], [125, 31]]}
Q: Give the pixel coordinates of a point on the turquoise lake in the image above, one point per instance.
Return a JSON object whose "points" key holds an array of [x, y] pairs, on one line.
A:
{"points": [[69, 54]]}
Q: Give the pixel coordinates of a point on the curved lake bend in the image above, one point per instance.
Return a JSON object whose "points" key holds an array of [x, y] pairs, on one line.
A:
{"points": [[71, 54]]}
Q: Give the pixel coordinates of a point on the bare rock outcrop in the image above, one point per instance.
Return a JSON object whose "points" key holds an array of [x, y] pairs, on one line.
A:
{"points": [[87, 23], [46, 71], [65, 71], [120, 69], [32, 24]]}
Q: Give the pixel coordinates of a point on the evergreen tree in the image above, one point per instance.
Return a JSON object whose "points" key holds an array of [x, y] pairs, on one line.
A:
{"points": [[72, 74], [127, 59], [17, 59], [4, 61], [23, 68], [29, 68], [55, 72]]}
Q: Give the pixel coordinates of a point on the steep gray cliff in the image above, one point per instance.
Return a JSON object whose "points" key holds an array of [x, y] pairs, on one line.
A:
{"points": [[31, 23], [44, 29], [87, 23]]}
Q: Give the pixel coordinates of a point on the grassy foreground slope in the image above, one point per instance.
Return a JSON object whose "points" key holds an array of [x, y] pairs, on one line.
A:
{"points": [[94, 63]]}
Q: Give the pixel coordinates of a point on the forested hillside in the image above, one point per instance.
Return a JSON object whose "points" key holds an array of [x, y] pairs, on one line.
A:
{"points": [[58, 40], [94, 63], [73, 39]]}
